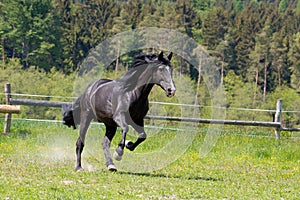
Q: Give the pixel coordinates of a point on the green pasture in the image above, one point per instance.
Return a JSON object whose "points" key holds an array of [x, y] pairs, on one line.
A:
{"points": [[37, 161]]}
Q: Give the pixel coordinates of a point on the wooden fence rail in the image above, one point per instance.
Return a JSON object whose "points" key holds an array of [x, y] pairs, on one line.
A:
{"points": [[10, 109], [218, 121], [276, 124], [29, 102]]}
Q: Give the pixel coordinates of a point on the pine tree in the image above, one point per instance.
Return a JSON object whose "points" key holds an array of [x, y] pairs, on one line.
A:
{"points": [[294, 58], [85, 25], [261, 55], [214, 28], [278, 51], [134, 12], [247, 24], [221, 54]]}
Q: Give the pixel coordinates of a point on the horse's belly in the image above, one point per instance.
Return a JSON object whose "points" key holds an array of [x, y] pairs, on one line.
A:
{"points": [[107, 120]]}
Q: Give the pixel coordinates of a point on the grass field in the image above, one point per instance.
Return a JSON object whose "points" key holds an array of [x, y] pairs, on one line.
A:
{"points": [[37, 162]]}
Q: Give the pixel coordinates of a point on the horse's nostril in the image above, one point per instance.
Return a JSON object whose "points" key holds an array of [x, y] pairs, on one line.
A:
{"points": [[170, 92]]}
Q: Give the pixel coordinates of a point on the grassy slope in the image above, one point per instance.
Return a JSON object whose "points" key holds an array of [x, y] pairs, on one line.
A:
{"points": [[37, 160]]}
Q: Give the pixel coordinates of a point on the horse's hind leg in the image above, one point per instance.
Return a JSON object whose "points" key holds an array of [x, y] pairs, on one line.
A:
{"points": [[110, 133], [85, 120]]}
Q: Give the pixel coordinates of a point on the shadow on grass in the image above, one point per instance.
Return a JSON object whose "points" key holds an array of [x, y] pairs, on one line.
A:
{"points": [[170, 176]]}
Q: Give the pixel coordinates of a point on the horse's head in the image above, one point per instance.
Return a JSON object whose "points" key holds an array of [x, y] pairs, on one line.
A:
{"points": [[162, 74]]}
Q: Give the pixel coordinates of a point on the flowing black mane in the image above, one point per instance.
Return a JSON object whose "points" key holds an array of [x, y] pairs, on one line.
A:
{"points": [[146, 58], [143, 58]]}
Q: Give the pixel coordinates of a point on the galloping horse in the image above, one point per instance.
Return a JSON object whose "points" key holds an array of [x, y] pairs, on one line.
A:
{"points": [[120, 102]]}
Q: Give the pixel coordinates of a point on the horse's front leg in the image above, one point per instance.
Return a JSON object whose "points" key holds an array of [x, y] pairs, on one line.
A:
{"points": [[142, 137], [110, 133], [120, 119]]}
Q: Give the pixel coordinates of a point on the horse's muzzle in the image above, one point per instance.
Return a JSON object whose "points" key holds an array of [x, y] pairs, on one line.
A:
{"points": [[170, 92]]}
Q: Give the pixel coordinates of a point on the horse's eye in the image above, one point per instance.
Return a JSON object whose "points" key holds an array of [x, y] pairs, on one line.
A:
{"points": [[161, 69]]}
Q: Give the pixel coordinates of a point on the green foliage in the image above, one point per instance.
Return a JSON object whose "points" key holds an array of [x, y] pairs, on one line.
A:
{"points": [[30, 32], [60, 34], [238, 5], [283, 5], [291, 102], [297, 9], [38, 82]]}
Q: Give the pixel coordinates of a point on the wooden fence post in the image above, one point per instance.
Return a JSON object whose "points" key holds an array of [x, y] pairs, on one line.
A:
{"points": [[7, 122], [277, 117]]}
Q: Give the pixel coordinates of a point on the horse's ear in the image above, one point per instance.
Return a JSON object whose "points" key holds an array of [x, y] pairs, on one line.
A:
{"points": [[170, 56], [161, 56]]}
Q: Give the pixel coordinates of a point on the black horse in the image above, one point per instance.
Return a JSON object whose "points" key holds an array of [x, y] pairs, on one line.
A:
{"points": [[121, 102]]}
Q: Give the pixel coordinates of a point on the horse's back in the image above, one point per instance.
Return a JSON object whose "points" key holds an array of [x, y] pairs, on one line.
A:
{"points": [[94, 85], [99, 95]]}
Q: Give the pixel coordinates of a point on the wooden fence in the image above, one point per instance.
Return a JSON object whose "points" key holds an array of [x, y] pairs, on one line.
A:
{"points": [[8, 109], [276, 124]]}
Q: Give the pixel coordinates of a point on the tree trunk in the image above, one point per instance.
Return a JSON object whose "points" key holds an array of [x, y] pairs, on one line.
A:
{"points": [[222, 71], [265, 79], [181, 60], [255, 88], [279, 78], [118, 55], [3, 61], [198, 85]]}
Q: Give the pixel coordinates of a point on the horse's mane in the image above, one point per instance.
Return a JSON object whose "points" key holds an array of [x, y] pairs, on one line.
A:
{"points": [[143, 58]]}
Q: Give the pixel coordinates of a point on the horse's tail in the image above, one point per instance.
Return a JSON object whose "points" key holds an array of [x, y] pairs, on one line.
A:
{"points": [[71, 116]]}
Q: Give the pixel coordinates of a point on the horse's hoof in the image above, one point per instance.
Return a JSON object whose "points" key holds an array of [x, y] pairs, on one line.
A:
{"points": [[79, 169], [129, 145], [117, 156], [112, 168]]}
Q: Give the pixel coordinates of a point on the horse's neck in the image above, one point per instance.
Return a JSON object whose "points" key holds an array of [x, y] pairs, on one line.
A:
{"points": [[147, 89], [144, 91], [144, 85]]}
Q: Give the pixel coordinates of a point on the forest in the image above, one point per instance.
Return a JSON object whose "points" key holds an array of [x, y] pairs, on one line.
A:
{"points": [[255, 44]]}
